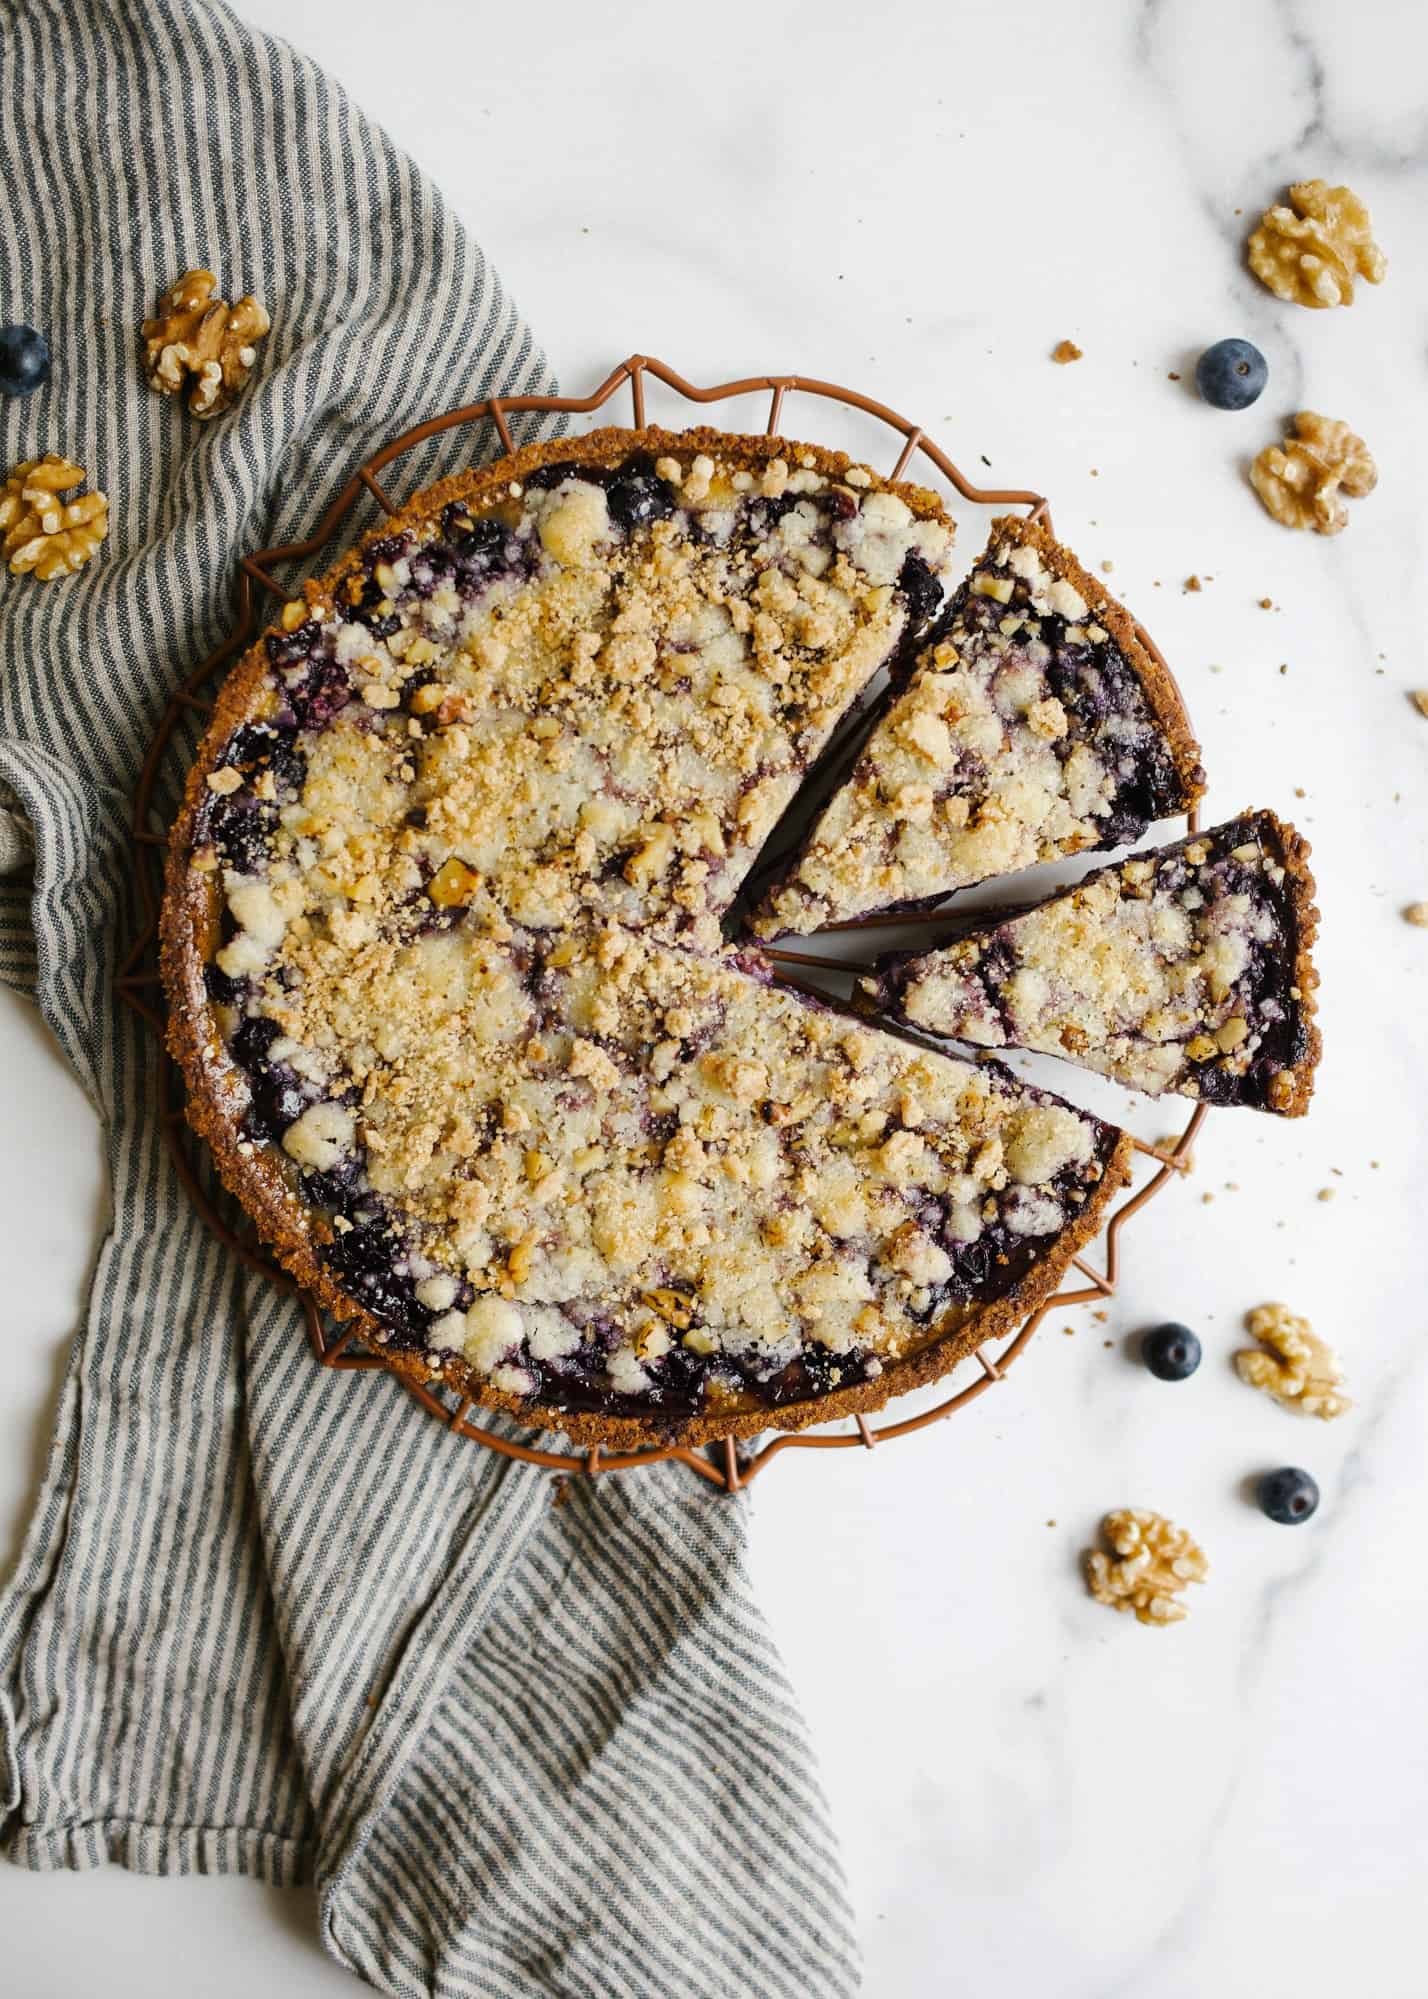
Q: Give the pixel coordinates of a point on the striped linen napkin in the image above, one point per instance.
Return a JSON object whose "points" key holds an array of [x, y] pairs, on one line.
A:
{"points": [[267, 1618]]}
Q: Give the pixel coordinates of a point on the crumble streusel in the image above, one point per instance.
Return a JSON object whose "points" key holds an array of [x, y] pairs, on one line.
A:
{"points": [[443, 952], [1035, 725], [1186, 969]]}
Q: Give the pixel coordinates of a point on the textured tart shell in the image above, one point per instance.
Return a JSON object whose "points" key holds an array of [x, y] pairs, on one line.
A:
{"points": [[1297, 1081], [217, 1090]]}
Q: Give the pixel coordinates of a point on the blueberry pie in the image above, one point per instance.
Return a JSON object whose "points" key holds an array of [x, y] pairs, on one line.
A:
{"points": [[1035, 724], [1186, 969], [443, 951]]}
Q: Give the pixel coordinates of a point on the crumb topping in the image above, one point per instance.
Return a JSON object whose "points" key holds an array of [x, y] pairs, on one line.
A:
{"points": [[605, 1167], [599, 697], [1024, 734], [1171, 972]]}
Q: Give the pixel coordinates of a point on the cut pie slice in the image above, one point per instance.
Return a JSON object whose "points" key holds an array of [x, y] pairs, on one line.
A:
{"points": [[1035, 725], [1187, 970], [633, 1190]]}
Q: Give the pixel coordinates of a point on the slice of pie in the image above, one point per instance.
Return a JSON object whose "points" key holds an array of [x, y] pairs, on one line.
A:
{"points": [[1187, 970], [1035, 725]]}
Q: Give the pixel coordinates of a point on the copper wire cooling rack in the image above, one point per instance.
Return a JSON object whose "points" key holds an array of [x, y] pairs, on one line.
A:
{"points": [[138, 983]]}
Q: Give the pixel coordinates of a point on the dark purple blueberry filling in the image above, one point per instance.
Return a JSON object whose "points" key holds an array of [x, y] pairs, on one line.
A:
{"points": [[241, 828], [258, 747], [278, 1099], [920, 590], [321, 693], [255, 1035], [637, 498], [365, 1260], [225, 991], [287, 648]]}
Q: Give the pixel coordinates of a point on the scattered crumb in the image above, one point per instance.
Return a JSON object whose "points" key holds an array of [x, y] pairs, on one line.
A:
{"points": [[1051, 1523], [1417, 914], [1232, 1186], [1069, 1331], [1193, 583], [1327, 1193], [1420, 698], [1207, 1198], [1108, 566], [1300, 792], [1284, 666], [1107, 1343], [1101, 1317], [1172, 376], [1266, 603], [1064, 351]]}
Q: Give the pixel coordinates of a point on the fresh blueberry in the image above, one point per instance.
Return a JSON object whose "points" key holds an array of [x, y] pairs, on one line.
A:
{"points": [[1171, 1352], [1231, 374], [1288, 1496], [24, 360]]}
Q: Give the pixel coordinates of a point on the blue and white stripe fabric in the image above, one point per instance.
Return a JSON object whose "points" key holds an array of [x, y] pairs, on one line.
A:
{"points": [[268, 1618]]}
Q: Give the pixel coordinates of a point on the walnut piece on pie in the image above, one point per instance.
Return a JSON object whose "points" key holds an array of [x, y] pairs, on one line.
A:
{"points": [[1302, 480], [1185, 969], [199, 343], [1310, 252], [1292, 1364], [42, 533], [1035, 725], [1150, 1564]]}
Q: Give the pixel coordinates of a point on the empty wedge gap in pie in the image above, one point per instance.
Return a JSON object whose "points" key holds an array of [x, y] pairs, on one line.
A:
{"points": [[442, 933]]}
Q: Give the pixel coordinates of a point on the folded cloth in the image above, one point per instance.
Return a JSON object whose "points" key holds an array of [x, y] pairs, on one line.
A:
{"points": [[268, 1618]]}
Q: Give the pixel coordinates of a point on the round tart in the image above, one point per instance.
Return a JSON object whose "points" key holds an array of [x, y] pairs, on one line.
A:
{"points": [[443, 941]]}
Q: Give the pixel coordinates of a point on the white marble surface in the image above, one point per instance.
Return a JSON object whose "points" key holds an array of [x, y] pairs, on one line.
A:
{"points": [[1036, 1796]]}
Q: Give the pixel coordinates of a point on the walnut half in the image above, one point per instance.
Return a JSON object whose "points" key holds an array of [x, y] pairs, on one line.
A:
{"points": [[1302, 480], [41, 533], [1311, 252], [197, 338], [1150, 1563], [1298, 1370]]}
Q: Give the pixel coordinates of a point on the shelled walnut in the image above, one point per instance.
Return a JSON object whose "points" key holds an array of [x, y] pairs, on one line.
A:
{"points": [[41, 533], [1299, 1370], [1310, 252], [1301, 481], [197, 338], [1151, 1562]]}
